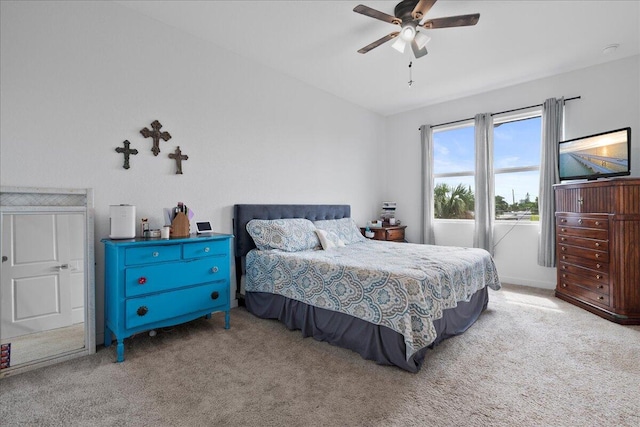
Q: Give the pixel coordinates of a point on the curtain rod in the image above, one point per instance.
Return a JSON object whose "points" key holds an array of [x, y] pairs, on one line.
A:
{"points": [[495, 114]]}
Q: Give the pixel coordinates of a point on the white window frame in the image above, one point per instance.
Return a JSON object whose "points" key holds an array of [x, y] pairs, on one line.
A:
{"points": [[528, 113]]}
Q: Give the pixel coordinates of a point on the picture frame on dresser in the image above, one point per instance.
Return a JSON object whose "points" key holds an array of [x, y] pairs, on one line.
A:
{"points": [[598, 257]]}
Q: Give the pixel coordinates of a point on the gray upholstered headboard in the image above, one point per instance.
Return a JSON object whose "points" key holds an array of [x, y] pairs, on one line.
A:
{"points": [[242, 214]]}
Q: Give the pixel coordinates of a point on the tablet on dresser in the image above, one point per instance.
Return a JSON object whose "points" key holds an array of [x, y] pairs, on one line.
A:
{"points": [[203, 227]]}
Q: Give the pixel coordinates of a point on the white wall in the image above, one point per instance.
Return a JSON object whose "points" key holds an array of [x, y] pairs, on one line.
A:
{"points": [[610, 99], [79, 78]]}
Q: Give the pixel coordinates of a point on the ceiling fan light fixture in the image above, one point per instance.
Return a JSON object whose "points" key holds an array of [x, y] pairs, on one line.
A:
{"points": [[421, 39], [399, 45], [408, 32]]}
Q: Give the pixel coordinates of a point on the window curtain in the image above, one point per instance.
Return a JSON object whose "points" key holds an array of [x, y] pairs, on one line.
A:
{"points": [[552, 133], [485, 191], [426, 230]]}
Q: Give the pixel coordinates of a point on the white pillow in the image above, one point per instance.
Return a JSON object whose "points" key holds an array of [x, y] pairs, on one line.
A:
{"points": [[329, 239]]}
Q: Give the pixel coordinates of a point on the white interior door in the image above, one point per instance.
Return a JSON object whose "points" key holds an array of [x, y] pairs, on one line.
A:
{"points": [[42, 285]]}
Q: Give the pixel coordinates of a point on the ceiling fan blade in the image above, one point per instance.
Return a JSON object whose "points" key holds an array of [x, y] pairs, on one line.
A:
{"points": [[367, 11], [422, 8], [378, 42], [452, 21], [418, 53]]}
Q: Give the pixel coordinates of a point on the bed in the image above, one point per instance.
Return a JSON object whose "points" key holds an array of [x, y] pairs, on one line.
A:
{"points": [[389, 302]]}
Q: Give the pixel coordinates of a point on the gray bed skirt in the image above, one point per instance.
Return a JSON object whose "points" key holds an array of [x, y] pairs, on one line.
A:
{"points": [[372, 342]]}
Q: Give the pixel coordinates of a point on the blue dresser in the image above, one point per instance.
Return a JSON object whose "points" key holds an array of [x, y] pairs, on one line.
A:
{"points": [[154, 283]]}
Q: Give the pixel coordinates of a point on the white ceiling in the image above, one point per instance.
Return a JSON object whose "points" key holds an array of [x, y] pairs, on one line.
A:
{"points": [[317, 42]]}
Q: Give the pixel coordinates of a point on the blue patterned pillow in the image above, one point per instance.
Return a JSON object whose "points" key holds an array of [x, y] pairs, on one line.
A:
{"points": [[346, 229], [290, 235]]}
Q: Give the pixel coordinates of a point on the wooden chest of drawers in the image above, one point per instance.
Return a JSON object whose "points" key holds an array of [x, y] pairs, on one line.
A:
{"points": [[157, 283], [598, 247]]}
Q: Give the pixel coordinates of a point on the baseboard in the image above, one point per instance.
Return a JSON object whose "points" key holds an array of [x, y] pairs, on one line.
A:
{"points": [[527, 282]]}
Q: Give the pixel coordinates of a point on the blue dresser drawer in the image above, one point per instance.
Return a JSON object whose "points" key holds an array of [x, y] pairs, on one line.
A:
{"points": [[204, 249], [152, 254], [160, 307], [153, 278]]}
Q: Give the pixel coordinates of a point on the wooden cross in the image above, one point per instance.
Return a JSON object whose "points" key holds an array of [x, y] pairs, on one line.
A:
{"points": [[177, 155], [156, 135], [126, 151]]}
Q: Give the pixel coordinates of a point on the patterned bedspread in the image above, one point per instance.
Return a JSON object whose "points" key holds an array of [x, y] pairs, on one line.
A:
{"points": [[402, 286]]}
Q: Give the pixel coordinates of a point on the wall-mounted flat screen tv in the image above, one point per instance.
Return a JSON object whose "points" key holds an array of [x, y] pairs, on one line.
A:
{"points": [[602, 155]]}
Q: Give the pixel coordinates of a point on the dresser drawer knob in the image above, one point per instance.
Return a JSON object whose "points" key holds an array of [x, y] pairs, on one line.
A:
{"points": [[142, 281], [155, 254], [598, 276], [598, 265], [564, 230], [142, 310], [563, 220], [564, 285], [563, 248], [206, 249], [563, 239], [564, 267], [214, 270], [597, 255], [600, 298], [564, 275], [600, 287], [597, 222], [215, 295], [597, 245], [580, 221]]}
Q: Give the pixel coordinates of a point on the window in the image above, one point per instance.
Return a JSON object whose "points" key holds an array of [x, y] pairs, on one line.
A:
{"points": [[516, 168], [453, 172], [516, 165]]}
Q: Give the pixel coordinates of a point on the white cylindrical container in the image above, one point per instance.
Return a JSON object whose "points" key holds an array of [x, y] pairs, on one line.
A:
{"points": [[123, 221], [165, 232]]}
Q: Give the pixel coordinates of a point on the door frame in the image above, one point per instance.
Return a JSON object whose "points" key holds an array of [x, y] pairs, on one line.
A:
{"points": [[25, 200]]}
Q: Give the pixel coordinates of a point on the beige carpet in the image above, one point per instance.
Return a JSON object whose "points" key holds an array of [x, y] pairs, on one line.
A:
{"points": [[531, 360]]}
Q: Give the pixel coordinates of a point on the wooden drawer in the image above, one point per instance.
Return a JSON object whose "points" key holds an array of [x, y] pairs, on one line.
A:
{"points": [[395, 234], [590, 233], [589, 282], [584, 294], [593, 221], [599, 245], [205, 249], [167, 305], [585, 262], [600, 276], [152, 254], [172, 275], [583, 253]]}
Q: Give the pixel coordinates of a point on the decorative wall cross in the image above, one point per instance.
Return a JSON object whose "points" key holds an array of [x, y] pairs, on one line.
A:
{"points": [[126, 151], [156, 135], [177, 155]]}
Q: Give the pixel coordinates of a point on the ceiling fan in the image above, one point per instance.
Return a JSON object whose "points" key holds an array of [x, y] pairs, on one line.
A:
{"points": [[408, 15]]}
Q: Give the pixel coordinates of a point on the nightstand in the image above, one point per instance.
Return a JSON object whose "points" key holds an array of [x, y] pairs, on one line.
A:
{"points": [[390, 233]]}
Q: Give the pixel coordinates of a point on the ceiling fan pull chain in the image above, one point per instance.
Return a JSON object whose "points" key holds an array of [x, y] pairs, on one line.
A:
{"points": [[410, 77]]}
